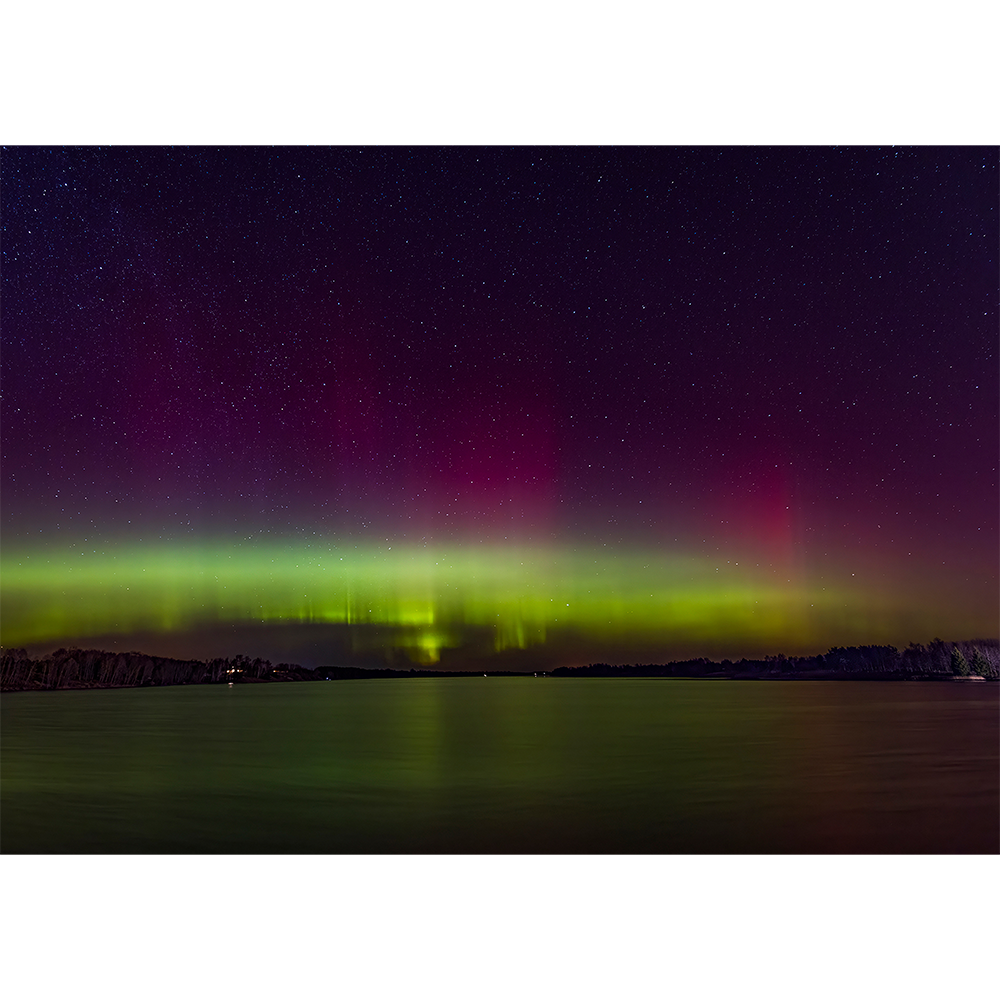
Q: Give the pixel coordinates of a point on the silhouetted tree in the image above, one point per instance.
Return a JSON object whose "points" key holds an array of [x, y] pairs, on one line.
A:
{"points": [[959, 664], [979, 665]]}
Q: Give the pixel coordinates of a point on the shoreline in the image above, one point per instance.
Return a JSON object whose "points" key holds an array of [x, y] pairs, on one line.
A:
{"points": [[967, 661], [99, 670]]}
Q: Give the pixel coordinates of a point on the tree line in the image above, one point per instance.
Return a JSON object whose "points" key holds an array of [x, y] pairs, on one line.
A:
{"points": [[97, 668], [937, 660]]}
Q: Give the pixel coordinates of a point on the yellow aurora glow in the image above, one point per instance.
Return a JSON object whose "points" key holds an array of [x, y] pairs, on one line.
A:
{"points": [[419, 601]]}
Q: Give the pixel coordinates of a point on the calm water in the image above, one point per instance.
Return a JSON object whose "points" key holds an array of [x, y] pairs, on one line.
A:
{"points": [[473, 765]]}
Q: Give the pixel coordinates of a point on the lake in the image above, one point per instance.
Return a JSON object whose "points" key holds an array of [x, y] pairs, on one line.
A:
{"points": [[504, 765]]}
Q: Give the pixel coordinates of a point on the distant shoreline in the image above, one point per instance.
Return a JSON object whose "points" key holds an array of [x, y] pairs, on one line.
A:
{"points": [[969, 661]]}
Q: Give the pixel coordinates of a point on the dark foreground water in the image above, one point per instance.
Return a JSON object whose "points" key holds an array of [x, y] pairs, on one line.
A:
{"points": [[498, 765]]}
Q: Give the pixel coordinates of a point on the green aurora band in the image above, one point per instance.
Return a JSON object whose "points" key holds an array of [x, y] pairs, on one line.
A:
{"points": [[416, 601]]}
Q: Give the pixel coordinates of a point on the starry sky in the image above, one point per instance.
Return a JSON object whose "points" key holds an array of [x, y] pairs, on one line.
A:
{"points": [[509, 407]]}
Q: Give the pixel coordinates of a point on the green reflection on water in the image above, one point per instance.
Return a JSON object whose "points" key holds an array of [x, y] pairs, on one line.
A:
{"points": [[503, 765]]}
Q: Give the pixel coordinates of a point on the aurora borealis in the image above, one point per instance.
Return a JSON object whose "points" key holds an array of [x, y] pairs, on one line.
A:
{"points": [[518, 407]]}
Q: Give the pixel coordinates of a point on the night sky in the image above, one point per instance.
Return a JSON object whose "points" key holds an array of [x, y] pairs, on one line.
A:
{"points": [[505, 407]]}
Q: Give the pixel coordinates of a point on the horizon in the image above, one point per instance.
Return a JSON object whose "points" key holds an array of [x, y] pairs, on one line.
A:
{"points": [[918, 648]]}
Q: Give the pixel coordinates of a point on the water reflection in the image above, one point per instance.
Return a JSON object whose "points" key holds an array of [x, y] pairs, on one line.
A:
{"points": [[504, 765]]}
